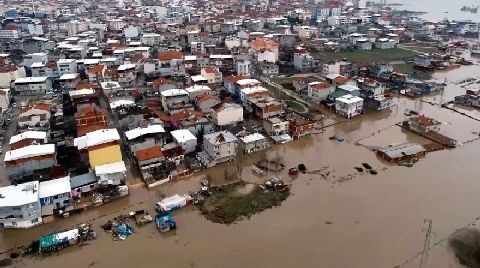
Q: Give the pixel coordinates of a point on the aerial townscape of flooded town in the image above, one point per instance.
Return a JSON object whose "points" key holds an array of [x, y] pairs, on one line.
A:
{"points": [[239, 133]]}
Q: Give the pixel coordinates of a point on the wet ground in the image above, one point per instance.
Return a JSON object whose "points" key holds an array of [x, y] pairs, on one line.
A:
{"points": [[347, 219]]}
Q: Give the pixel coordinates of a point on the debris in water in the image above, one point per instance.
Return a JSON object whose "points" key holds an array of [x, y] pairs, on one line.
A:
{"points": [[366, 166], [5, 262], [14, 255], [373, 172], [328, 222], [336, 138], [359, 169], [302, 168]]}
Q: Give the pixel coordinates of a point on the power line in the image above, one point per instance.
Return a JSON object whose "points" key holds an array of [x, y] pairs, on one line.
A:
{"points": [[426, 244]]}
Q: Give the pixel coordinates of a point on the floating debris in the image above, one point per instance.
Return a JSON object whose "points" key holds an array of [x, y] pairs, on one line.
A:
{"points": [[366, 166], [293, 171], [336, 138], [359, 169], [302, 168], [141, 217], [5, 262]]}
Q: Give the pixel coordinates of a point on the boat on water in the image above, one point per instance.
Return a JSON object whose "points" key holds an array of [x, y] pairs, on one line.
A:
{"points": [[173, 202], [165, 222]]}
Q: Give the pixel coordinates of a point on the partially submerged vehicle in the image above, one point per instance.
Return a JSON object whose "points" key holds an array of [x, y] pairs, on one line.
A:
{"points": [[141, 217], [173, 202], [276, 184], [57, 241], [165, 222]]}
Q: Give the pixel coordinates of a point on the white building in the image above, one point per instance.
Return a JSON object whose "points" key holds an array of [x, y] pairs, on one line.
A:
{"points": [[330, 68], [66, 66], [54, 195], [8, 34], [5, 97], [20, 206], [33, 85], [349, 106], [130, 32], [111, 173], [220, 146], [243, 68], [384, 43], [186, 139], [150, 39], [227, 114], [305, 32], [35, 29]]}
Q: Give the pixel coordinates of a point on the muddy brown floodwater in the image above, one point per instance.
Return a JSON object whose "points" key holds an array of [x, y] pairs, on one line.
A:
{"points": [[373, 221]]}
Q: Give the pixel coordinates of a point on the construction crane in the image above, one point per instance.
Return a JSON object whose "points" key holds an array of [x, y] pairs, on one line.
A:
{"points": [[426, 245]]}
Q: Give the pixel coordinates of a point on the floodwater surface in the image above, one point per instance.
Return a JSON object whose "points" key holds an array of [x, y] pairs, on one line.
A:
{"points": [[373, 220]]}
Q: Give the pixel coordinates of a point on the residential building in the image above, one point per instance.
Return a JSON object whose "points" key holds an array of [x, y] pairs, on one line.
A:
{"points": [[265, 50], [90, 118], [33, 85], [243, 68], [185, 138], [384, 43], [55, 196], [349, 106], [69, 81], [175, 100], [111, 173], [277, 128], [253, 142], [265, 106], [66, 66], [423, 124], [20, 206], [83, 184], [5, 98], [299, 125], [96, 73], [151, 39], [126, 74], [9, 34], [212, 74], [220, 146], [22, 163], [206, 102], [36, 115], [198, 90], [319, 91], [27, 138], [102, 147], [9, 73], [144, 137], [225, 114]]}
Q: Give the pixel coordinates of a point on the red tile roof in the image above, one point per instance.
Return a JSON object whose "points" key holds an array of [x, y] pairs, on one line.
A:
{"points": [[170, 55], [148, 153]]}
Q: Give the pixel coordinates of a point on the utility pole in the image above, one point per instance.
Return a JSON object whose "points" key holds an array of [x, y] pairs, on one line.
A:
{"points": [[426, 245]]}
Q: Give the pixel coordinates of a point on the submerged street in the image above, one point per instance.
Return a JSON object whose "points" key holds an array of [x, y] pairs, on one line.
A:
{"points": [[344, 219]]}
